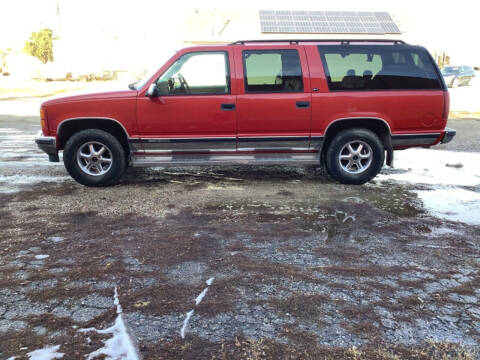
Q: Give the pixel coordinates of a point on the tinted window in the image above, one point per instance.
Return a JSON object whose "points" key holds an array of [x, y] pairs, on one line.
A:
{"points": [[272, 71], [378, 67], [196, 73]]}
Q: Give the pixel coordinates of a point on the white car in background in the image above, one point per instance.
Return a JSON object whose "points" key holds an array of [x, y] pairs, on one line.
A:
{"points": [[458, 75]]}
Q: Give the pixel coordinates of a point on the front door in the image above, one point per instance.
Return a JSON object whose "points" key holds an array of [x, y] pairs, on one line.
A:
{"points": [[193, 109], [273, 108]]}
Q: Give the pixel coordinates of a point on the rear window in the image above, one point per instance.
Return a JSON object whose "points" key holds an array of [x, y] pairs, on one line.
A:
{"points": [[378, 67]]}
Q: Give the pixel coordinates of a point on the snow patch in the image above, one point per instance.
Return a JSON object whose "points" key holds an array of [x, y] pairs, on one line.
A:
{"points": [[41, 257], [200, 297], [185, 323], [29, 179], [120, 345], [427, 166], [451, 192], [198, 300], [9, 131], [47, 353], [453, 204], [56, 239], [443, 230]]}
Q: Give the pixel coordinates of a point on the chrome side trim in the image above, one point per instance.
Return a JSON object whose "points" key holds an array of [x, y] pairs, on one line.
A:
{"points": [[414, 139], [273, 142], [259, 159], [189, 144], [135, 144], [273, 149], [316, 142], [91, 118], [179, 151], [246, 143]]}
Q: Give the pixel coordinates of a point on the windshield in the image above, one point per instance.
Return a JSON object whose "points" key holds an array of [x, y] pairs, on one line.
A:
{"points": [[450, 70], [138, 84], [153, 66]]}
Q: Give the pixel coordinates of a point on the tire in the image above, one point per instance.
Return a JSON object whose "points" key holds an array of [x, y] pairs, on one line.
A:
{"points": [[88, 164], [359, 166]]}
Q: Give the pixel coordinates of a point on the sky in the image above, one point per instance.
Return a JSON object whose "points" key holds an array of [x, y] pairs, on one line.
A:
{"points": [[438, 27]]}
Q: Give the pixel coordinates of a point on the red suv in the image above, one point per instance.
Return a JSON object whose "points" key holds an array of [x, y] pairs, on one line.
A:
{"points": [[343, 104]]}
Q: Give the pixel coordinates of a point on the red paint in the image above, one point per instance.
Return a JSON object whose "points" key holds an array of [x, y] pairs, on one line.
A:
{"points": [[266, 114]]}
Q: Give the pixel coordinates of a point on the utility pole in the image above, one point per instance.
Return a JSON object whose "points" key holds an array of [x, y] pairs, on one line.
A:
{"points": [[58, 19]]}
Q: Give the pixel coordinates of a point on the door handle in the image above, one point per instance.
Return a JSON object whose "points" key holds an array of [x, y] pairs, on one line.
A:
{"points": [[227, 107], [303, 104]]}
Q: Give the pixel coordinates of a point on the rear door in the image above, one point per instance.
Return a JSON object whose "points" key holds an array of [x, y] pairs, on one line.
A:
{"points": [[273, 101]]}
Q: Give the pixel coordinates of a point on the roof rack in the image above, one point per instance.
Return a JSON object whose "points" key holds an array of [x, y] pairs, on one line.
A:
{"points": [[342, 41]]}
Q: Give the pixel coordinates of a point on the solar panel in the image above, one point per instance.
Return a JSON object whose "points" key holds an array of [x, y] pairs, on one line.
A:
{"points": [[390, 28], [374, 29], [299, 12], [328, 22], [383, 16]]}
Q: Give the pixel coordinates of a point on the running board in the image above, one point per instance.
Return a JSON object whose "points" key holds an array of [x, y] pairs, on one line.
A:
{"points": [[255, 159]]}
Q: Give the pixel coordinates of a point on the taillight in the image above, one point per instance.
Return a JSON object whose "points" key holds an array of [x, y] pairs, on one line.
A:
{"points": [[446, 105], [43, 120]]}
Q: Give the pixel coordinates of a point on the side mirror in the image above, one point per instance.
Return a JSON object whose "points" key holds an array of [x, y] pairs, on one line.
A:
{"points": [[152, 90]]}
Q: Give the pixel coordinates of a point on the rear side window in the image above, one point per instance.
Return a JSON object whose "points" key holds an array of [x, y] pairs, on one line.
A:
{"points": [[272, 71], [378, 67]]}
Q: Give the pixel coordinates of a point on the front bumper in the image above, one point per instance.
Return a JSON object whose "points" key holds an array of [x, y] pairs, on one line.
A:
{"points": [[449, 135], [48, 144]]}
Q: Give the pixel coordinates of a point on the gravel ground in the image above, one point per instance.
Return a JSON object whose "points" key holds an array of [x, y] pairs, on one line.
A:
{"points": [[302, 267]]}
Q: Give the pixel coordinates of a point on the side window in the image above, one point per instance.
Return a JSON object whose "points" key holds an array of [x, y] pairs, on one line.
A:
{"points": [[398, 58], [196, 73], [417, 60], [377, 67], [272, 71], [351, 71]]}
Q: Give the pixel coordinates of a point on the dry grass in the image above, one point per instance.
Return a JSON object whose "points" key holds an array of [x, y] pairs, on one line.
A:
{"points": [[303, 347], [303, 306], [464, 115]]}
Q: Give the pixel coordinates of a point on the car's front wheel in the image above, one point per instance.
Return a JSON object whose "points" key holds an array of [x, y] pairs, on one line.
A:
{"points": [[355, 156], [94, 157]]}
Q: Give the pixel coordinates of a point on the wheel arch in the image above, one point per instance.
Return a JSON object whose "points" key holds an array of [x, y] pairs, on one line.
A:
{"points": [[378, 125], [68, 127]]}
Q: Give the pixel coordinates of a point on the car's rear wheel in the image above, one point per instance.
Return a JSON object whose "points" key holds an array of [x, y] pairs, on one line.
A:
{"points": [[94, 157], [355, 156]]}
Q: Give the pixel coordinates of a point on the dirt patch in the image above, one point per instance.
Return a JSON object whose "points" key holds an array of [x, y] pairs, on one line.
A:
{"points": [[302, 267], [305, 306]]}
